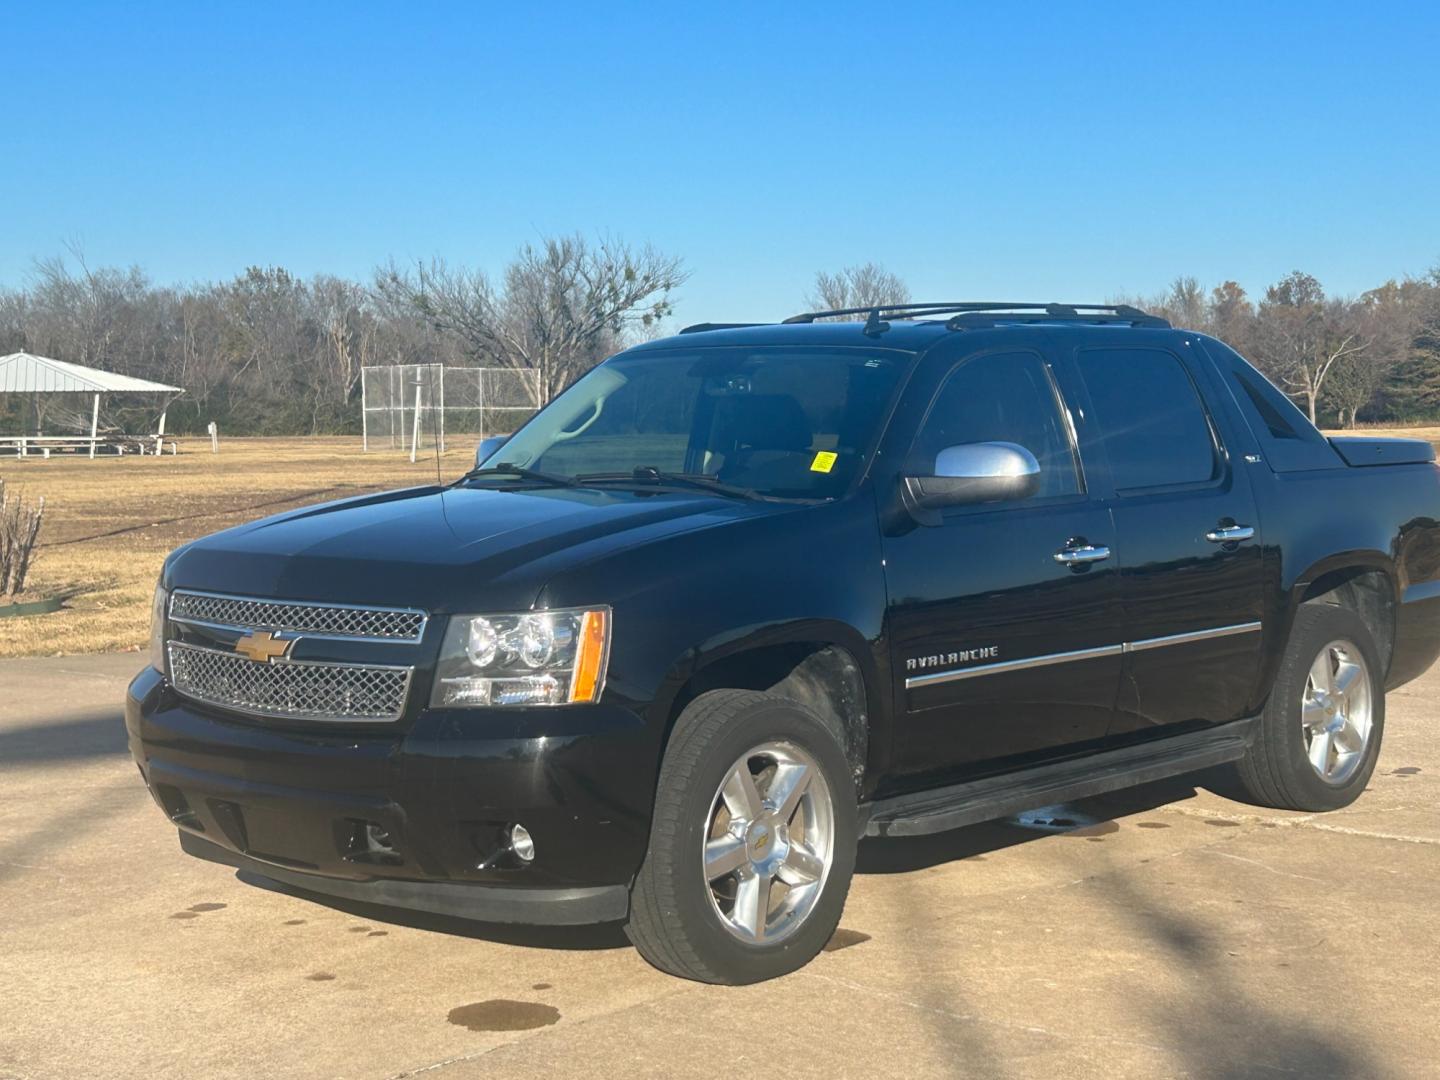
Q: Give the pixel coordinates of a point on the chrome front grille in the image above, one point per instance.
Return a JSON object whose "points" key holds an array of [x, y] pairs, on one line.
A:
{"points": [[290, 689], [298, 617]]}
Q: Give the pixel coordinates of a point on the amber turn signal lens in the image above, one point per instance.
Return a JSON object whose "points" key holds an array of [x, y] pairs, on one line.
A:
{"points": [[590, 658]]}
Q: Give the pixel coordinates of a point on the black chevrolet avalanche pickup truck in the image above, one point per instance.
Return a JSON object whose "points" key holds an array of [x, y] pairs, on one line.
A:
{"points": [[739, 597]]}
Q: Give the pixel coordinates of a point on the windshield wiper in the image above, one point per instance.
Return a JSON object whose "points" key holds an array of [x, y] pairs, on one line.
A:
{"points": [[506, 469], [648, 474]]}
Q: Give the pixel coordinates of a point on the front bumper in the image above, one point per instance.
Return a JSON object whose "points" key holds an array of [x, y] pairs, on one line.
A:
{"points": [[301, 803], [537, 907]]}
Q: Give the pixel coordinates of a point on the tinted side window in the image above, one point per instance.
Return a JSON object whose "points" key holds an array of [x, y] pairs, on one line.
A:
{"points": [[1002, 397], [1149, 416]]}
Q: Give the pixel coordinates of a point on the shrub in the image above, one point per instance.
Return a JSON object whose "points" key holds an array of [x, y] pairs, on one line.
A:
{"points": [[19, 529]]}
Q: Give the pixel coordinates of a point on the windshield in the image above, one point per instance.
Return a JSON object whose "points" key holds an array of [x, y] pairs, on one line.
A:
{"points": [[778, 423]]}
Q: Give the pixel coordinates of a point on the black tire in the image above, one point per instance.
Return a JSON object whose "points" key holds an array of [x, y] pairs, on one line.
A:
{"points": [[672, 918], [1275, 770]]}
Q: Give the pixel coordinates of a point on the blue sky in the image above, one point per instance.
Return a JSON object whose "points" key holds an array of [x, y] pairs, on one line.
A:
{"points": [[1073, 152]]}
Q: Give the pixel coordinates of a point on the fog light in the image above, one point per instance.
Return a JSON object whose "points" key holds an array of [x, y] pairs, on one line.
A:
{"points": [[521, 844]]}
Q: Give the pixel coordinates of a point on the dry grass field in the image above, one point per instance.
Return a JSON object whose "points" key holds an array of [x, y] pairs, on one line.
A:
{"points": [[110, 522], [1429, 433]]}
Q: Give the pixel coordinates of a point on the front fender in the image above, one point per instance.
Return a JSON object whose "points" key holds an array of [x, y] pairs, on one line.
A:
{"points": [[801, 574], [820, 633]]}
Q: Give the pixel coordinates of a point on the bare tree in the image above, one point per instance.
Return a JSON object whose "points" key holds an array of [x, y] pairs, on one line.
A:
{"points": [[1185, 304], [563, 304], [348, 340], [1302, 335], [865, 286], [199, 362], [1353, 385], [1387, 319], [101, 318]]}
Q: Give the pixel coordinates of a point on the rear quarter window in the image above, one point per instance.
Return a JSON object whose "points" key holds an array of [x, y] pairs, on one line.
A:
{"points": [[1288, 441]]}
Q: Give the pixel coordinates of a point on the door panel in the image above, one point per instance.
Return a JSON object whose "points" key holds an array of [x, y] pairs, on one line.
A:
{"points": [[1000, 650], [1191, 560], [1178, 583], [982, 618]]}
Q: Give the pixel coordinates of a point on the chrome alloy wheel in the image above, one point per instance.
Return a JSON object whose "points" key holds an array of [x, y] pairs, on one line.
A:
{"points": [[1336, 711], [769, 845]]}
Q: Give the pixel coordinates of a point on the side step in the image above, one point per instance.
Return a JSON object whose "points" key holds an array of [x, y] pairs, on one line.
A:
{"points": [[938, 810]]}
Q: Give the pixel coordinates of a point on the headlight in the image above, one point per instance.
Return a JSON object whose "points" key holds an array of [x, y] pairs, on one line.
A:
{"points": [[536, 658], [157, 628]]}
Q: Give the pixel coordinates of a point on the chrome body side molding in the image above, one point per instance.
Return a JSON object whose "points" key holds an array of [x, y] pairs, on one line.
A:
{"points": [[1003, 666], [1193, 635], [1011, 665]]}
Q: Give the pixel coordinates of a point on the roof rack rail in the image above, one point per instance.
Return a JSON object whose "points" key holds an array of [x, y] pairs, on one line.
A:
{"points": [[1090, 314], [980, 313], [876, 310], [701, 327]]}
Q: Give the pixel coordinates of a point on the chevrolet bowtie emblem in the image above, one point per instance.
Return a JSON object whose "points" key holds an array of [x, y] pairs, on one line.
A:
{"points": [[263, 646]]}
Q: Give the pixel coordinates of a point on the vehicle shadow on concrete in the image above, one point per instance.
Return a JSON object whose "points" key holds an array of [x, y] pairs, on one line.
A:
{"points": [[1218, 1029], [94, 734], [905, 854], [1210, 1027]]}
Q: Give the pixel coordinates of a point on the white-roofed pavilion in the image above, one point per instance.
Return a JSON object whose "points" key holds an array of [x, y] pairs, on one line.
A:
{"points": [[24, 373]]}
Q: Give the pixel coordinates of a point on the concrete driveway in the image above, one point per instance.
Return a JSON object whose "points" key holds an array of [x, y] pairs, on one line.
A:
{"points": [[1163, 932]]}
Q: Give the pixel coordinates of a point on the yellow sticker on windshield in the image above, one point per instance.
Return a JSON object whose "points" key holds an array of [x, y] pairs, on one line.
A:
{"points": [[824, 461]]}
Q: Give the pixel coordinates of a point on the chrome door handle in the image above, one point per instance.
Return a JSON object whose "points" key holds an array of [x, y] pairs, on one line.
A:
{"points": [[1230, 534], [1086, 553]]}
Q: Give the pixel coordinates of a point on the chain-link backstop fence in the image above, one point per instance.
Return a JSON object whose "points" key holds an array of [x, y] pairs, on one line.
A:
{"points": [[416, 406]]}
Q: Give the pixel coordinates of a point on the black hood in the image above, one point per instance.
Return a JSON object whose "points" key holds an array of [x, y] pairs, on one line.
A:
{"points": [[441, 549]]}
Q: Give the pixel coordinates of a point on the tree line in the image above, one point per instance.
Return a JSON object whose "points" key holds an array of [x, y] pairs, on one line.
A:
{"points": [[269, 352], [272, 353], [1344, 359], [1372, 357]]}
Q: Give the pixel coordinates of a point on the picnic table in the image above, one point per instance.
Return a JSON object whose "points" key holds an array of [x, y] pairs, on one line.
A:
{"points": [[45, 445]]}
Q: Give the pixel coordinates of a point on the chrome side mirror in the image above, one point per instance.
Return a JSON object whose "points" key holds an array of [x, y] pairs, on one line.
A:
{"points": [[972, 473], [487, 448]]}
